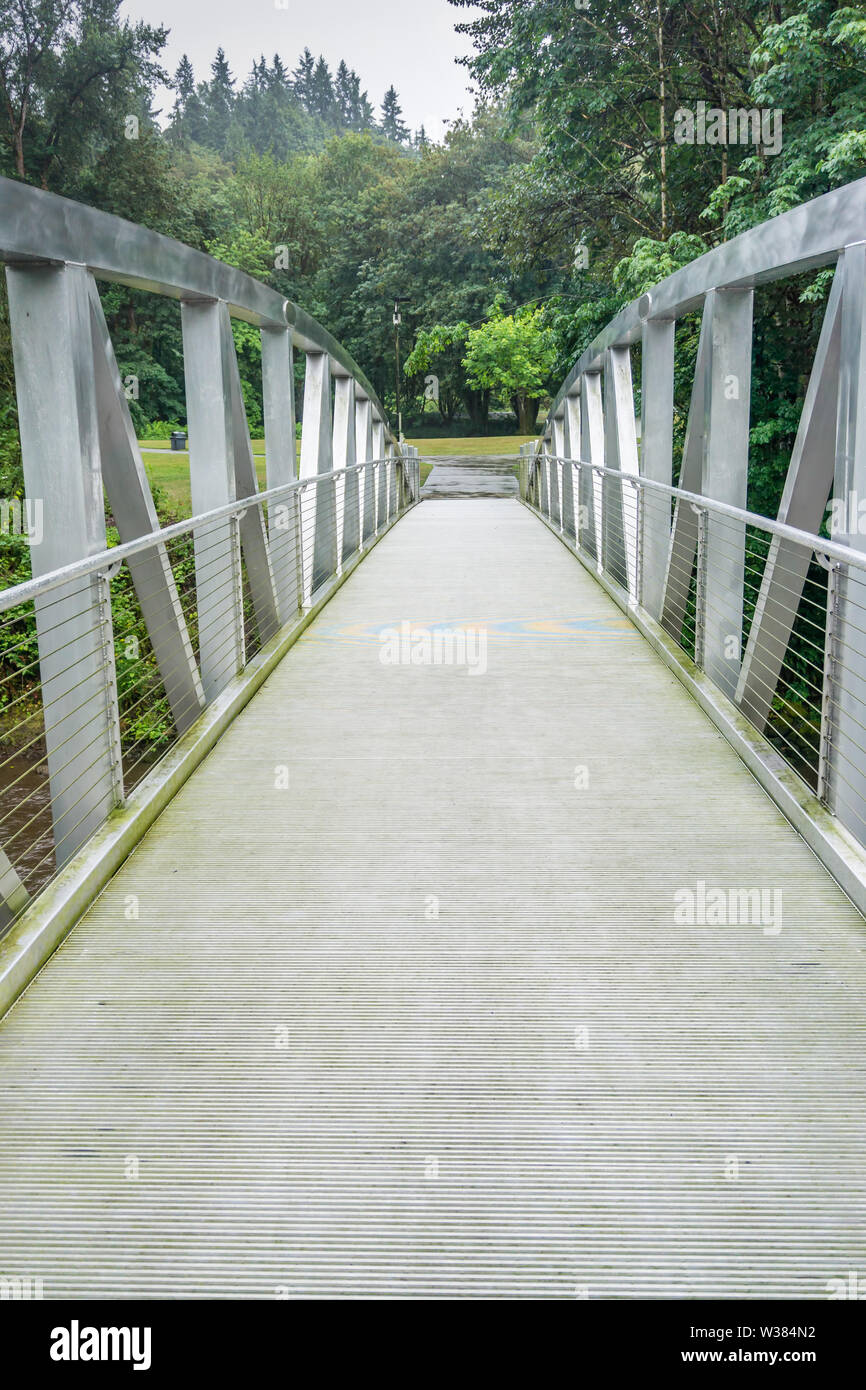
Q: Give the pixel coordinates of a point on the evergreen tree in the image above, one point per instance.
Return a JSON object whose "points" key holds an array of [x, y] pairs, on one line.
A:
{"points": [[220, 101], [302, 78], [392, 125], [189, 115], [278, 77], [323, 102], [343, 93], [183, 84]]}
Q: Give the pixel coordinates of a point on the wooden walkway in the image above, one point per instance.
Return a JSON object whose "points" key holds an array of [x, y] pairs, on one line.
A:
{"points": [[423, 1022]]}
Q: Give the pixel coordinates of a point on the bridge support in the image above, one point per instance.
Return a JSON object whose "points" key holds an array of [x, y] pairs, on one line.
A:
{"points": [[846, 709], [591, 450], [381, 475], [50, 316], [572, 451], [134, 514], [559, 450], [808, 484], [656, 456], [725, 479], [348, 513], [318, 502], [364, 454], [254, 545], [619, 514], [715, 464], [278, 394], [212, 484]]}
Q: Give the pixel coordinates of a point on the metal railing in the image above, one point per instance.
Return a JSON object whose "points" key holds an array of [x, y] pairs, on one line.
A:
{"points": [[805, 690], [109, 654], [108, 694], [771, 612]]}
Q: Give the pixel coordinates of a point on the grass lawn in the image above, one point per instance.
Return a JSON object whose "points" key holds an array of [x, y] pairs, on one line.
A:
{"points": [[171, 473], [482, 444]]}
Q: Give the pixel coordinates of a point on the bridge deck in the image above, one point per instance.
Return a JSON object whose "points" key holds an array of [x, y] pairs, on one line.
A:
{"points": [[567, 1161]]}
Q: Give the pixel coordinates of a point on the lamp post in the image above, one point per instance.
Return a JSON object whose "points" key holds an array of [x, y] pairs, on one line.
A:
{"points": [[397, 321]]}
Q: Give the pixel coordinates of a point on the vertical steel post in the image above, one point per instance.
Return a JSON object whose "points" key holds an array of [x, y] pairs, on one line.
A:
{"points": [[725, 479], [381, 480], [656, 455], [847, 782], [317, 458], [558, 450], [364, 453], [212, 485], [49, 312], [572, 452], [592, 452], [348, 514], [278, 396]]}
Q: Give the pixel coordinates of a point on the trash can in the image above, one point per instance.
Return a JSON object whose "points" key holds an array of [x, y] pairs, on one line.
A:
{"points": [[178, 440]]}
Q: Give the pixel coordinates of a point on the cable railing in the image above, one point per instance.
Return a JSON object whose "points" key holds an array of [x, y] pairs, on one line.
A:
{"points": [[93, 713], [109, 654], [806, 692], [771, 613]]}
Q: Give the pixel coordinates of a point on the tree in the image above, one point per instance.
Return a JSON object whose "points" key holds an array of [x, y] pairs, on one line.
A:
{"points": [[183, 84], [322, 101], [276, 77], [343, 93], [188, 117], [302, 79], [392, 125], [512, 355], [70, 71], [220, 101], [439, 352]]}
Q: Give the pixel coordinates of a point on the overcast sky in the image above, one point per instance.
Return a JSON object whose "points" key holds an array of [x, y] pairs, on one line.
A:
{"points": [[408, 42]]}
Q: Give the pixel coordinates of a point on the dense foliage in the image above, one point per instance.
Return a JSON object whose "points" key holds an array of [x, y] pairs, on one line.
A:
{"points": [[568, 192], [615, 187]]}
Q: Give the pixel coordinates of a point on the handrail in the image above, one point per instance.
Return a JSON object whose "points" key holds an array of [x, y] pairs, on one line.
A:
{"points": [[32, 588], [592, 419], [833, 550]]}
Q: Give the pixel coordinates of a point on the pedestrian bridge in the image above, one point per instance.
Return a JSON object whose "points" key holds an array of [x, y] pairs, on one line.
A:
{"points": [[431, 894]]}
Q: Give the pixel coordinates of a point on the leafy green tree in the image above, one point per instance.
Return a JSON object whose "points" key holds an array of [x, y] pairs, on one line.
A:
{"points": [[70, 73], [438, 351], [512, 355]]}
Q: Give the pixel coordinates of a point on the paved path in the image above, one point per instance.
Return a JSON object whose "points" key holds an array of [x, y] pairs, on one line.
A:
{"points": [[472, 476], [424, 1023]]}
